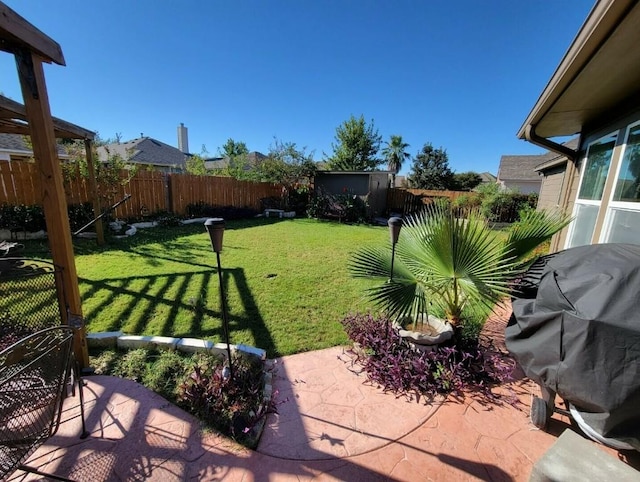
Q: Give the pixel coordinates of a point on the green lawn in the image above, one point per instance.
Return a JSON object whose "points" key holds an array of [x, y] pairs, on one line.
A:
{"points": [[286, 280]]}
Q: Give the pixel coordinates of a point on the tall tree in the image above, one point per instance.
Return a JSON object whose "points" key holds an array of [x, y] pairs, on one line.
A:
{"points": [[287, 165], [466, 181], [356, 146], [233, 149], [431, 170], [395, 153]]}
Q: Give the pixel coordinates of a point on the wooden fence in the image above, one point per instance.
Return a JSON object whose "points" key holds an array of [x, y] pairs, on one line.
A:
{"points": [[150, 191], [408, 201]]}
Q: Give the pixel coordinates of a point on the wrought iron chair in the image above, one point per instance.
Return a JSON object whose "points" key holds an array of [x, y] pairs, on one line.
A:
{"points": [[35, 375]]}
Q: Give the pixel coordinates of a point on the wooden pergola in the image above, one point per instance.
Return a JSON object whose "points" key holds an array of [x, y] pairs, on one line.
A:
{"points": [[31, 48]]}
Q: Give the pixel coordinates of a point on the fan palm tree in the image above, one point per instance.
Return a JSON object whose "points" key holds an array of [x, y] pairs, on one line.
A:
{"points": [[451, 262], [395, 154]]}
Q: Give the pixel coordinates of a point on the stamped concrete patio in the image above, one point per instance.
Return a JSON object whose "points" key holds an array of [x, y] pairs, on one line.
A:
{"points": [[331, 426]]}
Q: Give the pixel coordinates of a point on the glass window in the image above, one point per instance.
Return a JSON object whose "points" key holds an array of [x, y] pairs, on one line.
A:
{"points": [[625, 226], [628, 182], [596, 168], [584, 222]]}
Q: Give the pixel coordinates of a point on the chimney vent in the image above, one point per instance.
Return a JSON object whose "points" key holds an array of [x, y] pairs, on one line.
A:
{"points": [[183, 141]]}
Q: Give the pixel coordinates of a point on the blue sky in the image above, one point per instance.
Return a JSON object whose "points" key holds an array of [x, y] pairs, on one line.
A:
{"points": [[462, 75]]}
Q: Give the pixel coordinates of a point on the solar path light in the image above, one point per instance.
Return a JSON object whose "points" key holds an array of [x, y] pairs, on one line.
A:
{"points": [[215, 228]]}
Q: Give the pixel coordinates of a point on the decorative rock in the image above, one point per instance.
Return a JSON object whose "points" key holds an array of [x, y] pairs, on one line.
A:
{"points": [[131, 231], [148, 224]]}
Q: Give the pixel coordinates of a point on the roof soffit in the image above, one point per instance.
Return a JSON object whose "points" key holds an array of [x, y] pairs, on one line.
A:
{"points": [[600, 70]]}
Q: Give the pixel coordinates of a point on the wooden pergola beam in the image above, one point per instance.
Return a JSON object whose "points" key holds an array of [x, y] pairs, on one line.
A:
{"points": [[16, 32], [14, 120]]}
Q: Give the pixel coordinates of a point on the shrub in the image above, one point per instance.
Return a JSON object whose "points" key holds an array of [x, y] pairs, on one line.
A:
{"points": [[197, 384], [503, 206], [165, 374], [347, 207], [392, 363], [201, 209], [22, 217], [233, 406], [80, 215], [132, 365]]}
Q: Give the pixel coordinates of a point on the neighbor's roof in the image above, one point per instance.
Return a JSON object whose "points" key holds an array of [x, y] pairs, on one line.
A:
{"points": [[487, 177], [526, 167], [145, 150], [519, 167], [599, 73], [253, 159], [15, 144]]}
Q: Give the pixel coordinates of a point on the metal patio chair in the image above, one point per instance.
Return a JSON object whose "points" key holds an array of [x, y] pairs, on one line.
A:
{"points": [[35, 376]]}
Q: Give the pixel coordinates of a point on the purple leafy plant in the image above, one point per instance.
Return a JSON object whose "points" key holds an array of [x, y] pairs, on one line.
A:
{"points": [[392, 363]]}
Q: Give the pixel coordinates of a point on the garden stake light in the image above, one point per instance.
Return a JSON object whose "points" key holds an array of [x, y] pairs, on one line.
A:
{"points": [[395, 223], [215, 228]]}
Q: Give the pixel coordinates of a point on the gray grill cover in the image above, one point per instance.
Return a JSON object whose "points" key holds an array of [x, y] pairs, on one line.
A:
{"points": [[575, 329]]}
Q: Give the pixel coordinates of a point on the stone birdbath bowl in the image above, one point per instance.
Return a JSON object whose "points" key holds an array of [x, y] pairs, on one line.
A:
{"points": [[427, 335]]}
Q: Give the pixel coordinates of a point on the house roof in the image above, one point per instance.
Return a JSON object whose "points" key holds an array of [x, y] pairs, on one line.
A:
{"points": [[596, 77], [487, 177], [15, 144], [146, 150], [519, 167], [525, 167], [253, 158]]}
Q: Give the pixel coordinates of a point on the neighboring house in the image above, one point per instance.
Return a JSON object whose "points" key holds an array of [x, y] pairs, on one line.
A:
{"points": [[553, 169], [520, 173], [595, 92], [14, 148], [487, 178], [221, 163], [368, 185], [147, 151], [517, 173]]}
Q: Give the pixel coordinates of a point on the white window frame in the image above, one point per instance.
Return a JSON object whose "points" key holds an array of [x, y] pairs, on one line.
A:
{"points": [[619, 205], [589, 202]]}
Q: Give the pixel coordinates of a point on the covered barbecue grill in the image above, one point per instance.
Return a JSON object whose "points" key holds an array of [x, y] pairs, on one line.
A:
{"points": [[575, 330]]}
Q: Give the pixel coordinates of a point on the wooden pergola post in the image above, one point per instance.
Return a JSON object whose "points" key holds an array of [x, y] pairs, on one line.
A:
{"points": [[36, 101]]}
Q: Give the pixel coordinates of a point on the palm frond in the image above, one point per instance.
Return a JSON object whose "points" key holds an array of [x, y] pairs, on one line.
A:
{"points": [[533, 229]]}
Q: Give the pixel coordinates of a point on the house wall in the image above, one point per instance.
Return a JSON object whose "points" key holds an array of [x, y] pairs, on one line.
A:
{"points": [[523, 187], [551, 188]]}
